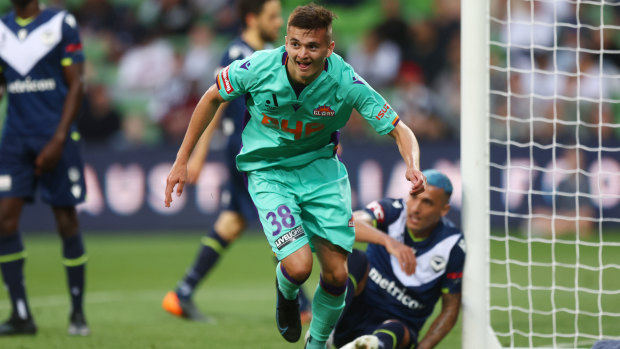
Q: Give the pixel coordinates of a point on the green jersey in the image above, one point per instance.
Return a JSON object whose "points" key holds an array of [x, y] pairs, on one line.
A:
{"points": [[285, 130]]}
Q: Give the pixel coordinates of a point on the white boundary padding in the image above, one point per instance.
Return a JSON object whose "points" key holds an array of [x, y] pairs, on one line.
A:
{"points": [[476, 330]]}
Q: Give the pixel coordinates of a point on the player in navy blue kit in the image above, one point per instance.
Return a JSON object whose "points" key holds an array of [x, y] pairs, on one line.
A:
{"points": [[41, 63], [261, 22], [391, 291]]}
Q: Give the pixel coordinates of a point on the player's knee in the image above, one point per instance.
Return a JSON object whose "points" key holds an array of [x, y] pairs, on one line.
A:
{"points": [[336, 277], [299, 272], [401, 332], [8, 225], [229, 226]]}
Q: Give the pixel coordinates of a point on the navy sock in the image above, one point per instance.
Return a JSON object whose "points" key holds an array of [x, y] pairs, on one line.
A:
{"points": [[391, 334], [212, 247], [75, 264], [357, 264], [12, 258]]}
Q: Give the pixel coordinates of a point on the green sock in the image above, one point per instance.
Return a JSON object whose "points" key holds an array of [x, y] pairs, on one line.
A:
{"points": [[289, 289], [326, 309]]}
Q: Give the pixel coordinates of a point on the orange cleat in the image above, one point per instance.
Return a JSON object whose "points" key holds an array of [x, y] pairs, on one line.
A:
{"points": [[171, 304]]}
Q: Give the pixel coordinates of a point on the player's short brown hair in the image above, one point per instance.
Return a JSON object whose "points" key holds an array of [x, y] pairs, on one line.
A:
{"points": [[312, 17]]}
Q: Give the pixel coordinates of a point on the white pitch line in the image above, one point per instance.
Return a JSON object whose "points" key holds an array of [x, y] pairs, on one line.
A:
{"points": [[102, 297]]}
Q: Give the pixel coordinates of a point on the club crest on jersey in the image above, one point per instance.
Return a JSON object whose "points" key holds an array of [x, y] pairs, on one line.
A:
{"points": [[48, 38], [22, 34], [323, 110], [438, 263]]}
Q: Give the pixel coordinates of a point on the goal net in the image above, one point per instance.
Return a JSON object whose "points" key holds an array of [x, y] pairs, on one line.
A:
{"points": [[551, 166]]}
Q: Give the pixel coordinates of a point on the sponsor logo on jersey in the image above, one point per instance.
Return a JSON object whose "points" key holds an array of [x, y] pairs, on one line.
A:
{"points": [[28, 85], [382, 112], [323, 110], [246, 65], [226, 80], [289, 237], [393, 290], [356, 81], [351, 222]]}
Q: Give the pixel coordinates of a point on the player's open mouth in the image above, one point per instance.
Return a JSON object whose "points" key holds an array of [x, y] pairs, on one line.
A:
{"points": [[303, 66]]}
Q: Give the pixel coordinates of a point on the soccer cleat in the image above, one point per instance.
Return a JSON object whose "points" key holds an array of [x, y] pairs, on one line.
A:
{"points": [[287, 317], [16, 326], [78, 325], [367, 341], [182, 308]]}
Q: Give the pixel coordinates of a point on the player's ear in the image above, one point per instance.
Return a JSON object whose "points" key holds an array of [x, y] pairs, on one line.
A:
{"points": [[330, 48], [445, 210]]}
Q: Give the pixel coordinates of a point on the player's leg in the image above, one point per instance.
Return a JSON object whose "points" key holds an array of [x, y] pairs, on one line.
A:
{"points": [[327, 213], [17, 184], [63, 189], [74, 260], [228, 227], [274, 193], [12, 258], [291, 272]]}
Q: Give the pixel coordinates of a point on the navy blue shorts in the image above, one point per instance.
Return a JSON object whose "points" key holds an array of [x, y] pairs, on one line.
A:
{"points": [[235, 196], [63, 186]]}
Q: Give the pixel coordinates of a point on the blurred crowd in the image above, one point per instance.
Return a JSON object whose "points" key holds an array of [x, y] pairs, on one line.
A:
{"points": [[149, 61], [555, 73]]}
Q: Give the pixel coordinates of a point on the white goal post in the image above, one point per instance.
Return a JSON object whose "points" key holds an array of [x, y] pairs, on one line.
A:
{"points": [[540, 169]]}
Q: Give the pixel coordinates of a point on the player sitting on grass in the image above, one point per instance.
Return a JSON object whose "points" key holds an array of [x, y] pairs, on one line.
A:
{"points": [[388, 303]]}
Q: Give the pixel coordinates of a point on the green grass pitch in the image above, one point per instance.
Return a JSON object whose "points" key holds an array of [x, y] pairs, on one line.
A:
{"points": [[128, 274]]}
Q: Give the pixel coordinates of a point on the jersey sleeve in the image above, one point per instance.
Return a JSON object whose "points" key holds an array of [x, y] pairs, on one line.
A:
{"points": [[384, 212], [235, 79], [454, 271], [370, 104], [71, 44]]}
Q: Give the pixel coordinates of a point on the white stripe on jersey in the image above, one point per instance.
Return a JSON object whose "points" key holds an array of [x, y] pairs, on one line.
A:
{"points": [[23, 55], [430, 265]]}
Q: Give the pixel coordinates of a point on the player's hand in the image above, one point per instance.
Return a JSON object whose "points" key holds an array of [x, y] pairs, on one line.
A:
{"points": [[177, 175], [417, 179], [48, 157], [194, 167], [405, 255]]}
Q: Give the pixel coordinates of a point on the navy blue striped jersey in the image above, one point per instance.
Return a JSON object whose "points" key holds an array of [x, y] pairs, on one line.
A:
{"points": [[440, 258], [32, 56]]}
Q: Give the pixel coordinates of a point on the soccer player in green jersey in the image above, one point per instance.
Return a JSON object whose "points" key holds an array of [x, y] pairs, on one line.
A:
{"points": [[298, 96]]}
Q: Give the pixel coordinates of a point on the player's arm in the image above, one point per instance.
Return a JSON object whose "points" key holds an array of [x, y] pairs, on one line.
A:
{"points": [[201, 117], [450, 307], [199, 155], [366, 232], [410, 152], [50, 154]]}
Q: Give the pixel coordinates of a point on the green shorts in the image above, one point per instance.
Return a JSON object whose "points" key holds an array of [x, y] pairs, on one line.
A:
{"points": [[296, 204]]}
